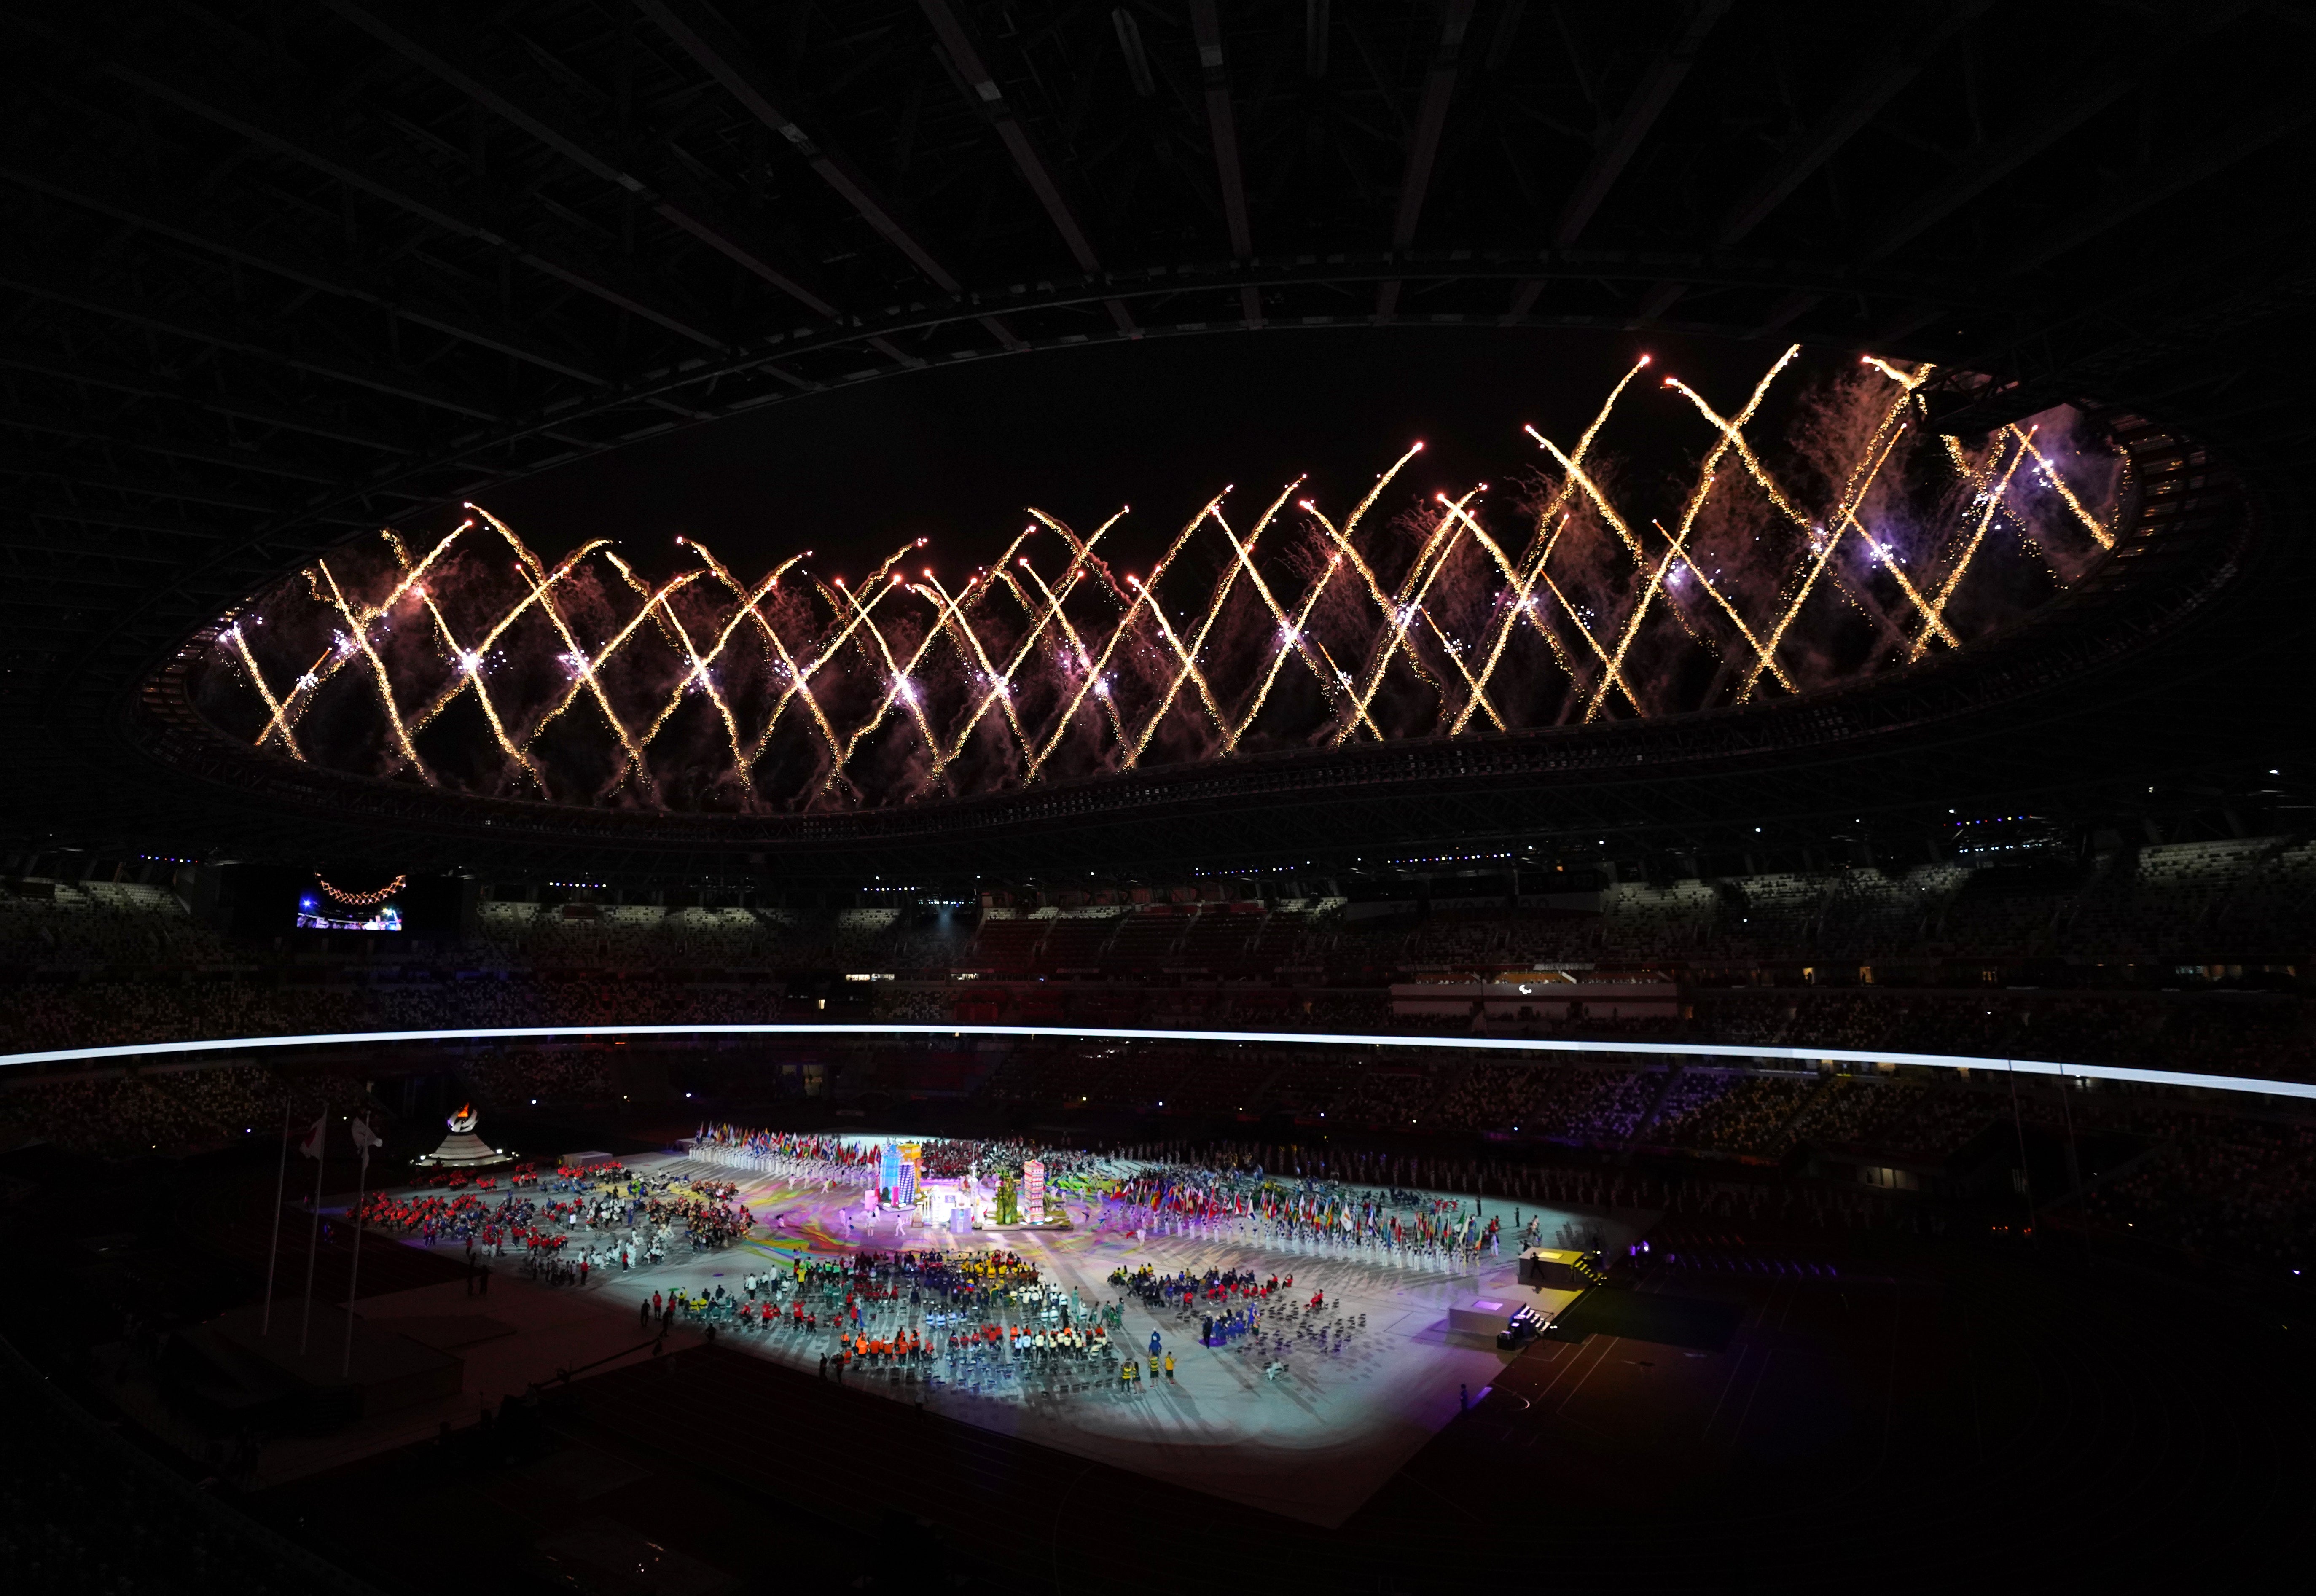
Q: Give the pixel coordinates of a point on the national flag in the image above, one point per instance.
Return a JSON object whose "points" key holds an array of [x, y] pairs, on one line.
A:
{"points": [[311, 1147], [365, 1138]]}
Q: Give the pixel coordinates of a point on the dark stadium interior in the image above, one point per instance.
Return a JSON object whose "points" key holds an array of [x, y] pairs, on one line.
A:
{"points": [[742, 586]]}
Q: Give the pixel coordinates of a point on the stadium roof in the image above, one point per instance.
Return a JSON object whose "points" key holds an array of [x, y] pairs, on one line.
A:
{"points": [[281, 274]]}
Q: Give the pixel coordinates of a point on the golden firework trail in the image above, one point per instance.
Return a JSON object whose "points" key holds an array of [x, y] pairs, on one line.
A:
{"points": [[1777, 496], [1144, 599], [2091, 524], [1190, 670], [750, 610], [1297, 643], [1029, 642], [1732, 436], [360, 632], [1885, 441], [898, 686], [1549, 524], [1429, 561], [1969, 551], [277, 724], [1081, 559], [469, 664]]}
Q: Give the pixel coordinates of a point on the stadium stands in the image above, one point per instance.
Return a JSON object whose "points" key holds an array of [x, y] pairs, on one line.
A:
{"points": [[2180, 956]]}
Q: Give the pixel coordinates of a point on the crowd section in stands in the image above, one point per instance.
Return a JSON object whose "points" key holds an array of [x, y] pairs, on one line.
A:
{"points": [[1937, 959], [119, 1116], [2260, 1035], [2224, 1187], [102, 922], [99, 1014], [1755, 1121], [2222, 1177], [557, 1075], [2244, 901], [1904, 1119]]}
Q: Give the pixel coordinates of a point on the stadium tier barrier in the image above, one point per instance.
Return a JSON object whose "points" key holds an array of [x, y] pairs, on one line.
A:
{"points": [[1799, 1054]]}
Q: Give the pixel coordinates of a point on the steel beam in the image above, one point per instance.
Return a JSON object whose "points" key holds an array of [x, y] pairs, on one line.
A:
{"points": [[31, 541], [557, 129], [127, 520], [1998, 160], [1988, 166], [1890, 70], [187, 493], [214, 97], [725, 56], [1206, 28], [156, 215], [1423, 149], [200, 329], [1624, 137], [2246, 135], [128, 380], [62, 424], [966, 56]]}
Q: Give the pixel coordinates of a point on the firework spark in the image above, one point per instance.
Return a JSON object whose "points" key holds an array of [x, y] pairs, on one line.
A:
{"points": [[1574, 596]]}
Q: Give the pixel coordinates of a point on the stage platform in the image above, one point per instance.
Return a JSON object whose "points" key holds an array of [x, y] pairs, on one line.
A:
{"points": [[1309, 1442]]}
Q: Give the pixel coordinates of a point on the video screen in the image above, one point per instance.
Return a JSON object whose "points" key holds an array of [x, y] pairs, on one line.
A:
{"points": [[271, 900], [316, 913]]}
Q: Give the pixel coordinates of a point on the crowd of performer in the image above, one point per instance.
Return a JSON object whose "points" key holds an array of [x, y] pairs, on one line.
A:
{"points": [[977, 1320], [983, 1321], [1244, 1200], [609, 1219], [835, 1157], [772, 1144]]}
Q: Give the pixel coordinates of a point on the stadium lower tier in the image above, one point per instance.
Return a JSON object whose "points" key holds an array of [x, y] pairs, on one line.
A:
{"points": [[2268, 1036], [2221, 1175]]}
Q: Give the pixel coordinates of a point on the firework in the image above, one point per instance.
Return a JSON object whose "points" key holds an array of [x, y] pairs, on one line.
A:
{"points": [[1839, 543]]}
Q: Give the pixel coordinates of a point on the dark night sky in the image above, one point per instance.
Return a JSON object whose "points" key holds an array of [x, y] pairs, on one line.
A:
{"points": [[954, 453]]}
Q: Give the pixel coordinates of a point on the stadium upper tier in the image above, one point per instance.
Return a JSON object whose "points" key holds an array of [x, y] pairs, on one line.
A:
{"points": [[2218, 1174], [2249, 901], [2183, 958]]}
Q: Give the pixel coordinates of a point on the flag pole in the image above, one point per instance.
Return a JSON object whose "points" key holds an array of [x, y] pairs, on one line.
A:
{"points": [[273, 1253], [314, 1236], [353, 1275]]}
